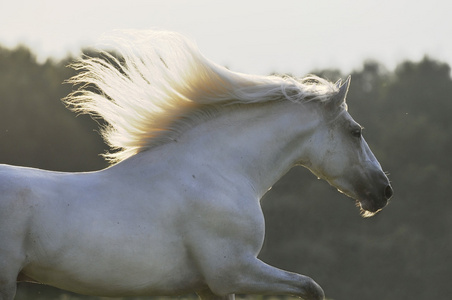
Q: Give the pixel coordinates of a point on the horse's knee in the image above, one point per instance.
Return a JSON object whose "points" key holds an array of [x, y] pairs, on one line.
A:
{"points": [[312, 290]]}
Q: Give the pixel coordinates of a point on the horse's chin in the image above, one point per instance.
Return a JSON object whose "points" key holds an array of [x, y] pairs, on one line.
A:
{"points": [[368, 214], [367, 208]]}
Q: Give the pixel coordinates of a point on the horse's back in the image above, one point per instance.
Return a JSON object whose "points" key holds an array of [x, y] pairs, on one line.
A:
{"points": [[21, 189], [15, 195], [70, 229]]}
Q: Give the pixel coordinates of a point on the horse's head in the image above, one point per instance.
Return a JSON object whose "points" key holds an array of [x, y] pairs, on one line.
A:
{"points": [[341, 156]]}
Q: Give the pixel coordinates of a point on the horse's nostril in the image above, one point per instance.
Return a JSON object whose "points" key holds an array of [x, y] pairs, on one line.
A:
{"points": [[388, 192]]}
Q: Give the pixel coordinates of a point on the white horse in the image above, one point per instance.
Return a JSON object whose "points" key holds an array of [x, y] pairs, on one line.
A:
{"points": [[196, 147]]}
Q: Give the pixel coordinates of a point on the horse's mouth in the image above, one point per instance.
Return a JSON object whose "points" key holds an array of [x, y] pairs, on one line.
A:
{"points": [[369, 207], [368, 202]]}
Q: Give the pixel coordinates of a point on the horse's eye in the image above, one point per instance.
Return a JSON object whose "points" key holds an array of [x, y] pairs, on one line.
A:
{"points": [[356, 132]]}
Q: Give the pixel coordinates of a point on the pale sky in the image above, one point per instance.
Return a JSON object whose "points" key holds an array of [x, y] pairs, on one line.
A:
{"points": [[248, 36]]}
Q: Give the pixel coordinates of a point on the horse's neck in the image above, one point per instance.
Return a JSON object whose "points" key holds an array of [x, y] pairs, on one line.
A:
{"points": [[258, 142], [253, 145]]}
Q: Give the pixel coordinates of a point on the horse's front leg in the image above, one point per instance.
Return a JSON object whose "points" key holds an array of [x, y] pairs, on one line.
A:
{"points": [[224, 242], [226, 256], [252, 276]]}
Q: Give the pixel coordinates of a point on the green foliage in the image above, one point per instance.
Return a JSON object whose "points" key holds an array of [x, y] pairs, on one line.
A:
{"points": [[35, 128], [402, 253]]}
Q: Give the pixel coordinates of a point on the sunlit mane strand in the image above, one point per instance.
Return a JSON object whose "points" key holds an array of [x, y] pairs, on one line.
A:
{"points": [[160, 77]]}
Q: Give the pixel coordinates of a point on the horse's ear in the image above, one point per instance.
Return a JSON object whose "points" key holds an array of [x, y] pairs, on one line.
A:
{"points": [[340, 97], [338, 83]]}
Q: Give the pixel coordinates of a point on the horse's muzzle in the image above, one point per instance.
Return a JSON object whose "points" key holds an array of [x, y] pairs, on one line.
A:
{"points": [[378, 201], [388, 192]]}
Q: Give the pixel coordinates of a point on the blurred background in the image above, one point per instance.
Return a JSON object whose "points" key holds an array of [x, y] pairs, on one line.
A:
{"points": [[399, 55]]}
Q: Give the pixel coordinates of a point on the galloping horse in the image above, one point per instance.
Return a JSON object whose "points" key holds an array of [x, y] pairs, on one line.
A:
{"points": [[195, 147]]}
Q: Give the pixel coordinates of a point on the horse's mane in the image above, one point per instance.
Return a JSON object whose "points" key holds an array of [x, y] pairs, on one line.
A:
{"points": [[161, 77]]}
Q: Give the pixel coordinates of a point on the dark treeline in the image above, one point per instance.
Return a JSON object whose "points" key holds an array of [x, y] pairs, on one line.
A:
{"points": [[401, 253], [36, 129]]}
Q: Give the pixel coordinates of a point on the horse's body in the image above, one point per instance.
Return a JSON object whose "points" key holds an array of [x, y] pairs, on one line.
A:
{"points": [[183, 214]]}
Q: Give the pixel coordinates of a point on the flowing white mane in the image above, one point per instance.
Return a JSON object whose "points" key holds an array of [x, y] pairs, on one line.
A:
{"points": [[161, 77]]}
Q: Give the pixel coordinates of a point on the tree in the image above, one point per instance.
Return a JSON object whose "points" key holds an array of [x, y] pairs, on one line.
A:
{"points": [[35, 127]]}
